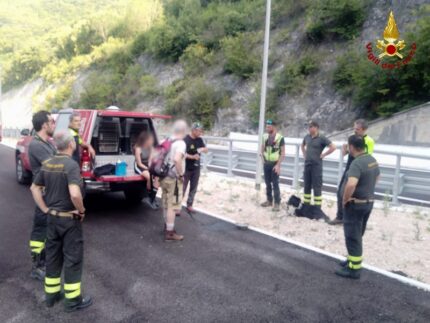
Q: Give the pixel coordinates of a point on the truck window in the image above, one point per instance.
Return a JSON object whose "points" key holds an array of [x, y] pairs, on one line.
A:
{"points": [[62, 122]]}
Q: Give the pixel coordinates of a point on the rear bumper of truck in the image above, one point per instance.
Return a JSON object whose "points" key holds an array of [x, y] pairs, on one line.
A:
{"points": [[113, 183]]}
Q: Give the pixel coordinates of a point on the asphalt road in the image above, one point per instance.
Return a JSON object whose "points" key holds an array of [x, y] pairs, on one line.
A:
{"points": [[217, 274]]}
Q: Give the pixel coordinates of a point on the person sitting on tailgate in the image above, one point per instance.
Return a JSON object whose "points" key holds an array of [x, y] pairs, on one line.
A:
{"points": [[142, 153]]}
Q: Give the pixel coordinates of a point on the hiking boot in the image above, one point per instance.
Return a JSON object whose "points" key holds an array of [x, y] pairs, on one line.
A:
{"points": [[51, 300], [83, 303], [172, 236], [335, 221], [266, 204], [38, 273], [276, 208], [346, 272]]}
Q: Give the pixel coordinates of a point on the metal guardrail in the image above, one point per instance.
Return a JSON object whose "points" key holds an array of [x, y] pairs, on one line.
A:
{"points": [[14, 133], [397, 183]]}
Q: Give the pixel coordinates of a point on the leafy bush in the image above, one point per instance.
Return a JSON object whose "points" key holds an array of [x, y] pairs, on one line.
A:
{"points": [[100, 90], [25, 65], [239, 53], [292, 77], [149, 86], [167, 42], [382, 92], [195, 100], [339, 19], [196, 59], [55, 98]]}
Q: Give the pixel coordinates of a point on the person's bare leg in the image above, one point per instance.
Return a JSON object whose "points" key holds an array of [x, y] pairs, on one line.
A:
{"points": [[171, 235]]}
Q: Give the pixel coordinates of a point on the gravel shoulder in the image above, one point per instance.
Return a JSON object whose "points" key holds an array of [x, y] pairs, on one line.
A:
{"points": [[397, 238]]}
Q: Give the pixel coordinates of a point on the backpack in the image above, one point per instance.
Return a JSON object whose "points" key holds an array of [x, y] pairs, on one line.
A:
{"points": [[108, 169], [160, 165]]}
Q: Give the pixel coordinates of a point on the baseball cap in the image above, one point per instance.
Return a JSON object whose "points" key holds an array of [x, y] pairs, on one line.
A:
{"points": [[196, 125], [270, 122]]}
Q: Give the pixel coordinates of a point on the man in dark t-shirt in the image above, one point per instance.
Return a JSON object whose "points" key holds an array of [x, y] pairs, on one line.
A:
{"points": [[39, 150], [312, 148], [357, 201], [195, 146], [63, 203]]}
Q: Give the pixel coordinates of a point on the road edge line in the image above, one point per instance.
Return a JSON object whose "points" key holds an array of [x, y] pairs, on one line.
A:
{"points": [[383, 272]]}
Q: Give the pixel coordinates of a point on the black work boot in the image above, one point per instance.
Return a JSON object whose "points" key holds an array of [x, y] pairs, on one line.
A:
{"points": [[38, 268], [52, 299], [336, 221], [348, 273], [343, 263], [83, 302]]}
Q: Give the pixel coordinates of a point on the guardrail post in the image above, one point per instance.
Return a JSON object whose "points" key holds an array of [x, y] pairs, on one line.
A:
{"points": [[396, 184], [230, 158], [296, 168], [340, 167]]}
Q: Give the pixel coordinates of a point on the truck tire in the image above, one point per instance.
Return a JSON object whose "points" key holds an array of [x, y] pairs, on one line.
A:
{"points": [[23, 176], [135, 195]]}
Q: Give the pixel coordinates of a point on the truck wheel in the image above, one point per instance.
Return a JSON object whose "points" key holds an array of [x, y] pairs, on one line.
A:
{"points": [[135, 195], [23, 176]]}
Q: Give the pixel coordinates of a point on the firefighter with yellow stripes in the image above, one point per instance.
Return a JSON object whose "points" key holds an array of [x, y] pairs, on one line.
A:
{"points": [[63, 204], [39, 150], [312, 148], [358, 197]]}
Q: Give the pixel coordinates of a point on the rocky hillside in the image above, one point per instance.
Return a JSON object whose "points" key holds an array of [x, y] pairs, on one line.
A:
{"points": [[202, 60]]}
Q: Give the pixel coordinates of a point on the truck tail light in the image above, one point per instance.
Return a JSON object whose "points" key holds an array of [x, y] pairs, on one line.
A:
{"points": [[86, 163]]}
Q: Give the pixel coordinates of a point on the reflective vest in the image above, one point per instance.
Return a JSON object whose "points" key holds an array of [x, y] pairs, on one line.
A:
{"points": [[370, 144], [74, 133], [272, 152]]}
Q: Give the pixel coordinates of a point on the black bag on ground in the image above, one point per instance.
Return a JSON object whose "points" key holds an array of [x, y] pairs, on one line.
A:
{"points": [[294, 201], [311, 212], [108, 169]]}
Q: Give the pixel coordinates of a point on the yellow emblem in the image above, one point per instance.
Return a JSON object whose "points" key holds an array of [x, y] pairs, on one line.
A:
{"points": [[391, 34]]}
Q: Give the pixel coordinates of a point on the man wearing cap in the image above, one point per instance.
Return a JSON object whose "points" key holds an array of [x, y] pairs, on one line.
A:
{"points": [[312, 148], [195, 146], [273, 152], [360, 129], [358, 197]]}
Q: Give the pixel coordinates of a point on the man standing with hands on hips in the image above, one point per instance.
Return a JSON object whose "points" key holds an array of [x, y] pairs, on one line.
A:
{"points": [[273, 153], [195, 146], [312, 148]]}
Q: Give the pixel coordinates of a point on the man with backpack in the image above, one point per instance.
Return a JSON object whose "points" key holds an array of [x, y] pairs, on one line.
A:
{"points": [[172, 183], [273, 152]]}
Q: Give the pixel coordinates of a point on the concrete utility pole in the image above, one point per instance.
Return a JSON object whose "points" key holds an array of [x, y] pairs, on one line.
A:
{"points": [[261, 125]]}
